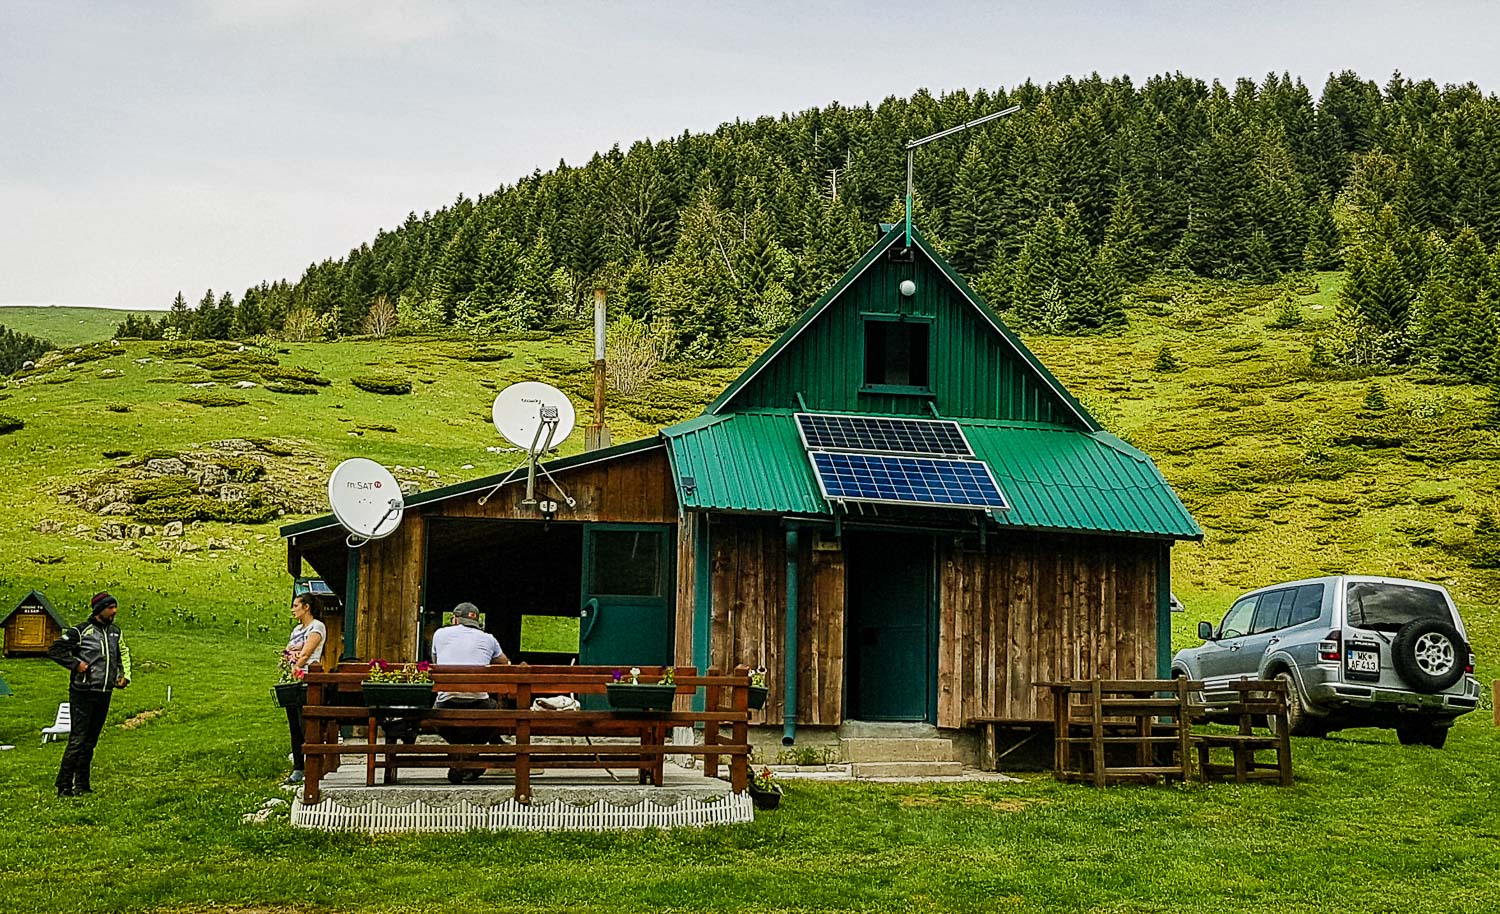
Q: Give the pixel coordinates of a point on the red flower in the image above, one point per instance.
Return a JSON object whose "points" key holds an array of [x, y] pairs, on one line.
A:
{"points": [[423, 666]]}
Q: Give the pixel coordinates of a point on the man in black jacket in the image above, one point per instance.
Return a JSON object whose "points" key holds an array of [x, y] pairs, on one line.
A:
{"points": [[100, 662]]}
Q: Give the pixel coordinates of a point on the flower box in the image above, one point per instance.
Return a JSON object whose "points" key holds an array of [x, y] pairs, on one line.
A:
{"points": [[398, 694], [626, 697], [765, 799], [758, 697], [290, 694]]}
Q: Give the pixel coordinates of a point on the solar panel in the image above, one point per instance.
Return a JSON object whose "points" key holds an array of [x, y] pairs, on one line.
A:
{"points": [[879, 434], [907, 480]]}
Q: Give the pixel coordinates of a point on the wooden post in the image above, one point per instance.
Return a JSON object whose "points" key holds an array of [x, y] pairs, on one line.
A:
{"points": [[596, 435], [739, 764], [713, 701], [1096, 700]]}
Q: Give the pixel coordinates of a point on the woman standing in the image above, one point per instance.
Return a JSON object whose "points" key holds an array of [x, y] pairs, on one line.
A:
{"points": [[303, 648]]}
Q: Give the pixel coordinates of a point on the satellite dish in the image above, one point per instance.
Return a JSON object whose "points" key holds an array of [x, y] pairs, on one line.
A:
{"points": [[533, 416], [365, 497]]}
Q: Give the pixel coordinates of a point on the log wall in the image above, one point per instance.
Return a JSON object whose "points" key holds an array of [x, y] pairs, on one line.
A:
{"points": [[1028, 609]]}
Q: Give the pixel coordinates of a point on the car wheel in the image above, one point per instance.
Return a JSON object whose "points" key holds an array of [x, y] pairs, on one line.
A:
{"points": [[1299, 722], [1429, 654]]}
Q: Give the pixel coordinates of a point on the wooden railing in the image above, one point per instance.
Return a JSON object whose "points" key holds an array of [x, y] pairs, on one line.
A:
{"points": [[334, 698], [1112, 731]]}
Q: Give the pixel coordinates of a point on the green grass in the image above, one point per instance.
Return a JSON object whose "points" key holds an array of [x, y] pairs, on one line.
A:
{"points": [[1369, 826], [1261, 448], [66, 326]]}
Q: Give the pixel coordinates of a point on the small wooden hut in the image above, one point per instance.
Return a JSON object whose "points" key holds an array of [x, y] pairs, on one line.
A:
{"points": [[32, 626], [896, 509]]}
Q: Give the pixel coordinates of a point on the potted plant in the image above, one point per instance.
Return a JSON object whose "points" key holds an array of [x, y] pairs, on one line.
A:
{"points": [[627, 693], [765, 792], [388, 685], [290, 690], [758, 689]]}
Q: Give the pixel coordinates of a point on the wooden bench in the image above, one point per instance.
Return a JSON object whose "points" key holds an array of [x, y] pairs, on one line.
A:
{"points": [[334, 699], [1112, 730], [1245, 702]]}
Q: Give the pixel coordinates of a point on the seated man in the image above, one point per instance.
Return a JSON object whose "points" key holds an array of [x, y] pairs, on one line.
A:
{"points": [[466, 643]]}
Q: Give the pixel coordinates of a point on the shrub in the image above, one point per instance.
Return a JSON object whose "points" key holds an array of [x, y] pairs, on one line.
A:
{"points": [[377, 427], [188, 508], [1166, 362], [382, 383], [212, 398], [291, 387], [160, 487], [10, 424], [117, 407], [179, 349], [113, 454], [236, 360], [1288, 313], [298, 373]]}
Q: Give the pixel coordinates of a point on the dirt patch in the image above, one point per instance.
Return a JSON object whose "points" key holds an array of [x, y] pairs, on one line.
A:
{"points": [[142, 718]]}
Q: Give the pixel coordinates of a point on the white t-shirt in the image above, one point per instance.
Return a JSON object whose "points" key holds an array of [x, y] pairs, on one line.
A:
{"points": [[464, 645], [300, 634]]}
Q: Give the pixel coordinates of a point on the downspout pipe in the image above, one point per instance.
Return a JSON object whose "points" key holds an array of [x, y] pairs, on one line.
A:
{"points": [[789, 656]]}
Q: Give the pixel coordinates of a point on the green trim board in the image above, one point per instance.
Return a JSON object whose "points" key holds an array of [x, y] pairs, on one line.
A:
{"points": [[39, 599]]}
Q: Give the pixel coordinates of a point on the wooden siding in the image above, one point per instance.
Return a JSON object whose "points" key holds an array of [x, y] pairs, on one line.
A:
{"points": [[1028, 609], [974, 372], [749, 613], [634, 488]]}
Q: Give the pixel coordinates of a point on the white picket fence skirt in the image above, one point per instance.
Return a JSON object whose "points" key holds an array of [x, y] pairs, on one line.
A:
{"points": [[374, 815]]}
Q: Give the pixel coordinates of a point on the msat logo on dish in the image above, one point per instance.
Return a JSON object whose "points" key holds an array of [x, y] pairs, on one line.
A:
{"points": [[361, 484]]}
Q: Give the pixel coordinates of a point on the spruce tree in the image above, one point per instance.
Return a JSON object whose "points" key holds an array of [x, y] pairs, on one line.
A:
{"points": [[1125, 239], [972, 214], [180, 318]]}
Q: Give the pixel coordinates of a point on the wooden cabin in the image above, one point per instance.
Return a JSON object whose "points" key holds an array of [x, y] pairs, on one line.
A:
{"points": [[32, 626], [896, 510]]}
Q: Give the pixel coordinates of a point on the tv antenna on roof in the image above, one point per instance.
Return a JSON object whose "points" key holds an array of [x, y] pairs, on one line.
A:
{"points": [[366, 500], [537, 418], [911, 149]]}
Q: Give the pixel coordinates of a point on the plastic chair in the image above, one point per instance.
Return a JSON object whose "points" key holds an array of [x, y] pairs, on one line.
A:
{"points": [[60, 727]]}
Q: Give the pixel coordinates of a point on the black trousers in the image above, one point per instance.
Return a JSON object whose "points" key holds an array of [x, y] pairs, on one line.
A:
{"points": [[294, 723], [466, 735], [88, 709]]}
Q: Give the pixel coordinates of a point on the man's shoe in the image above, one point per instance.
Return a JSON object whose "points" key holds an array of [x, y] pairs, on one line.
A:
{"points": [[456, 775], [473, 775], [66, 792], [82, 789], [293, 779]]}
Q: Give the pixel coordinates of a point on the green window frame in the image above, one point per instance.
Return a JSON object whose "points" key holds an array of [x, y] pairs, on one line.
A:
{"points": [[880, 346]]}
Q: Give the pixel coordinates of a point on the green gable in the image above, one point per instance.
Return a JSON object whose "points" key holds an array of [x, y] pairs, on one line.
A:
{"points": [[975, 367]]}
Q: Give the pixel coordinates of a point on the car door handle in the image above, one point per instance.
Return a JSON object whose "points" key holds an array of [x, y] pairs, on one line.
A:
{"points": [[1272, 641], [1235, 646]]}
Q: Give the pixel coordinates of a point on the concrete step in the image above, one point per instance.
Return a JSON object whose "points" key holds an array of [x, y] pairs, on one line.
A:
{"points": [[886, 729], [906, 769], [869, 749]]}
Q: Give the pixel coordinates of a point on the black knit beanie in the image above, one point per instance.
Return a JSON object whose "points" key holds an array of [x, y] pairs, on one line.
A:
{"points": [[101, 601]]}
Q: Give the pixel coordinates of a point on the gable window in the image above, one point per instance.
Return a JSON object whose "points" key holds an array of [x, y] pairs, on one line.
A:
{"points": [[897, 353]]}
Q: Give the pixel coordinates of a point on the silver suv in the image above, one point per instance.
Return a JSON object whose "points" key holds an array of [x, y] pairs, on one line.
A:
{"points": [[1355, 652]]}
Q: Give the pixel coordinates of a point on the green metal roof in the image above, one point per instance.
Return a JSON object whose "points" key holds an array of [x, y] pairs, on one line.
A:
{"points": [[1055, 478]]}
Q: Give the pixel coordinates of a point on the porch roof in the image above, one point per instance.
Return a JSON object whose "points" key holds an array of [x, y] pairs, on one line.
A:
{"points": [[1055, 478]]}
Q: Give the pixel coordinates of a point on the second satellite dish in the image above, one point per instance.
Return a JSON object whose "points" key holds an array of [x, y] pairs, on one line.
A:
{"points": [[534, 416], [365, 498]]}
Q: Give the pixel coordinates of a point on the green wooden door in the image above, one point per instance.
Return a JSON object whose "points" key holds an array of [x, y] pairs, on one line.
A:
{"points": [[627, 595], [890, 608]]}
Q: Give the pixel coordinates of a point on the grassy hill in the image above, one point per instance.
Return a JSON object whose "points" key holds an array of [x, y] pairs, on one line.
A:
{"points": [[1292, 470], [66, 326]]}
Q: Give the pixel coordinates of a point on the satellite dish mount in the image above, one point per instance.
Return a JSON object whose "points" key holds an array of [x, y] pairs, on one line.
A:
{"points": [[536, 418], [366, 500]]}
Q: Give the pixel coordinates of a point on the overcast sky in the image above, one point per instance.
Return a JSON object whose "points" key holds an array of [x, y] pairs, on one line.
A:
{"points": [[151, 147]]}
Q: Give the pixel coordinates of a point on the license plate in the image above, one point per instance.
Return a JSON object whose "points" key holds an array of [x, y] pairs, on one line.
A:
{"points": [[1362, 661]]}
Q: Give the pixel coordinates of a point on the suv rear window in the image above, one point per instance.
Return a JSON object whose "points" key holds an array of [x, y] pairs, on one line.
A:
{"points": [[1389, 606]]}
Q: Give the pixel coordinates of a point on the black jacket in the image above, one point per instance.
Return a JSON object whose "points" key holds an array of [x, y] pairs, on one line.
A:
{"points": [[101, 646]]}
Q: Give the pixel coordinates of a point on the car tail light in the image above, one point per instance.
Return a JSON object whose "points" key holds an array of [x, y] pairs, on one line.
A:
{"points": [[1331, 647], [1470, 668]]}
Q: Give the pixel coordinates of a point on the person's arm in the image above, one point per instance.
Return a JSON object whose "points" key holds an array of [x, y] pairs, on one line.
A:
{"points": [[499, 655], [314, 638], [124, 679], [64, 651]]}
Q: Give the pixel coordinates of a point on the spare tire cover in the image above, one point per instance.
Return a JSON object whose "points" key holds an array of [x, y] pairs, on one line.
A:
{"points": [[1429, 654]]}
